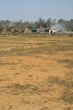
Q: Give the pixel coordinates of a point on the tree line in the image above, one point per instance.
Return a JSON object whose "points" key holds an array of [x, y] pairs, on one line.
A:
{"points": [[20, 26]]}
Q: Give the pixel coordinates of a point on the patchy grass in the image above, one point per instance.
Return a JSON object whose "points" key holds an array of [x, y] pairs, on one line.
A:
{"points": [[68, 62], [36, 50], [44, 108], [2, 63], [22, 88], [66, 83], [21, 46], [31, 59], [67, 96], [1, 79]]}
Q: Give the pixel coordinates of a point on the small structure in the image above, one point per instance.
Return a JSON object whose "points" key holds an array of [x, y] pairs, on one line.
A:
{"points": [[52, 31], [26, 30], [42, 30]]}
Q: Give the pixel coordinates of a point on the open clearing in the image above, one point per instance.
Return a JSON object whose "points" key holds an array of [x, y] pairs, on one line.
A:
{"points": [[36, 72]]}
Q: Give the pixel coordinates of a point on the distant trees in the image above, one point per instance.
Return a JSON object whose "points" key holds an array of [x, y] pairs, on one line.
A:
{"points": [[43, 23], [20, 26], [67, 24]]}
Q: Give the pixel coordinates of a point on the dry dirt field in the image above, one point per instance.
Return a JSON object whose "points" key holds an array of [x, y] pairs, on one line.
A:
{"points": [[36, 72]]}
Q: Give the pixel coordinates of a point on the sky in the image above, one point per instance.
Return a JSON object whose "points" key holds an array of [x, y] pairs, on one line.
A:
{"points": [[33, 9]]}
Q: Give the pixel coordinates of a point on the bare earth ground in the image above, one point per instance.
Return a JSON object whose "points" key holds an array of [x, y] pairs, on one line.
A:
{"points": [[36, 73]]}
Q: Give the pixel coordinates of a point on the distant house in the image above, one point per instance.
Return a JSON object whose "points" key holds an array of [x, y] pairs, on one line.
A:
{"points": [[26, 30], [43, 30], [52, 31]]}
